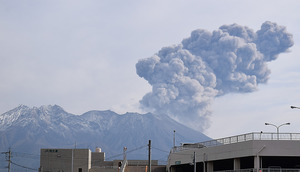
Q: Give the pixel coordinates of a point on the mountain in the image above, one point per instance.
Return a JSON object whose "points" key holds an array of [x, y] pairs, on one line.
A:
{"points": [[26, 130]]}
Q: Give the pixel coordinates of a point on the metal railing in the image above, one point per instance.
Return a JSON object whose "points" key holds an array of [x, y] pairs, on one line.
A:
{"points": [[239, 170], [263, 170], [280, 170], [239, 138]]}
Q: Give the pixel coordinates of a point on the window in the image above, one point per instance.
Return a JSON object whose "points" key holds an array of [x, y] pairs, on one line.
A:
{"points": [[79, 169]]}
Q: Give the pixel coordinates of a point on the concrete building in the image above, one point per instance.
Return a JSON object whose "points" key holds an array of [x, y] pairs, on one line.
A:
{"points": [[83, 160], [258, 152], [65, 160]]}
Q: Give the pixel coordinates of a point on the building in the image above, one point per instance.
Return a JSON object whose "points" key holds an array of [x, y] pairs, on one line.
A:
{"points": [[65, 160], [83, 160], [258, 152]]}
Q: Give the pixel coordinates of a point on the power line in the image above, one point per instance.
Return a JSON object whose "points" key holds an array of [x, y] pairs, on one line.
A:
{"points": [[25, 155], [11, 154], [161, 150], [25, 166], [8, 158], [129, 151], [136, 149]]}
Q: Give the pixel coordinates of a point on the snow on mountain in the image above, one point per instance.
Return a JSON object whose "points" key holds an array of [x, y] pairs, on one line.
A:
{"points": [[25, 129], [100, 120], [11, 116]]}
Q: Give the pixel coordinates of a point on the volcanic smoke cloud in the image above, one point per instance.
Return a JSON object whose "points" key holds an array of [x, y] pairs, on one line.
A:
{"points": [[185, 78]]}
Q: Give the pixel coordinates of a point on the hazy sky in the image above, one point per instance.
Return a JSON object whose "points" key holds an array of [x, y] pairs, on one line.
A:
{"points": [[81, 55]]}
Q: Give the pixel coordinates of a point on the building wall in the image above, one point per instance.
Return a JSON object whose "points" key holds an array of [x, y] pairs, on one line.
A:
{"points": [[65, 159], [103, 169], [144, 168], [239, 154], [83, 160], [97, 159], [234, 150], [141, 162]]}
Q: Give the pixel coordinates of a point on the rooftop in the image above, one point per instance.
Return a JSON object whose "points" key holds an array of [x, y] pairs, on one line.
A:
{"points": [[238, 139]]}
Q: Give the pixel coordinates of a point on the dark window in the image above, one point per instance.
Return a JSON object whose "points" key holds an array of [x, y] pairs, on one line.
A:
{"points": [[282, 162], [79, 169], [222, 165], [247, 162]]}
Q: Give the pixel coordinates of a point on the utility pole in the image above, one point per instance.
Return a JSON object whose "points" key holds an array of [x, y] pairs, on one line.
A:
{"points": [[194, 161], [9, 158], [204, 159], [124, 153], [149, 156], [72, 160]]}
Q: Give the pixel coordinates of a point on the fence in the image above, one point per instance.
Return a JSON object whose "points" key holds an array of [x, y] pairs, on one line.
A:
{"points": [[240, 138], [271, 169]]}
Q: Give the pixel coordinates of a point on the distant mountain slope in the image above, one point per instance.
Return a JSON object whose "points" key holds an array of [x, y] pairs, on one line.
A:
{"points": [[26, 130]]}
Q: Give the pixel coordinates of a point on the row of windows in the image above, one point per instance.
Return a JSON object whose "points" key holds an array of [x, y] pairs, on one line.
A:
{"points": [[51, 150]]}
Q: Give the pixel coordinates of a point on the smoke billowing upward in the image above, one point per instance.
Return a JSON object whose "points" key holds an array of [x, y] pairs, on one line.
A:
{"points": [[185, 78]]}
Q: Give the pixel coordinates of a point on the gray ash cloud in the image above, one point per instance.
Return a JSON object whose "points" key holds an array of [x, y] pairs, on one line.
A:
{"points": [[186, 77]]}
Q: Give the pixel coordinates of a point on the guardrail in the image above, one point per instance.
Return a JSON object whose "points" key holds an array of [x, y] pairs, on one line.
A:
{"points": [[239, 138], [264, 170]]}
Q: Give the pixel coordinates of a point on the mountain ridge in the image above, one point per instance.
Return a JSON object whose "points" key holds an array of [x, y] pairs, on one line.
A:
{"points": [[50, 126]]}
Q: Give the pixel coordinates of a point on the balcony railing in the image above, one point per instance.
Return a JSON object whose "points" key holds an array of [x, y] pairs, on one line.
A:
{"points": [[239, 138]]}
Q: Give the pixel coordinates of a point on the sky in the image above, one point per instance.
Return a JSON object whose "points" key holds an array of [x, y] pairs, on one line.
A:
{"points": [[82, 55]]}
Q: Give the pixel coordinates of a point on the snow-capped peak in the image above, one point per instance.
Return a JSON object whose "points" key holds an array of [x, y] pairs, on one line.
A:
{"points": [[23, 115]]}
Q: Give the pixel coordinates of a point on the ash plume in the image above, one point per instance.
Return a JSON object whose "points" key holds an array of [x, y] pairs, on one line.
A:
{"points": [[185, 78]]}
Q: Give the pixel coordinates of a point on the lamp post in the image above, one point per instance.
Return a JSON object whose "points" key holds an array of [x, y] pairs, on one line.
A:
{"points": [[277, 127], [174, 139], [295, 107]]}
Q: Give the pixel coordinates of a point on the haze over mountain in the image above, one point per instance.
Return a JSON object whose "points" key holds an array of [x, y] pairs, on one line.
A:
{"points": [[25, 130]]}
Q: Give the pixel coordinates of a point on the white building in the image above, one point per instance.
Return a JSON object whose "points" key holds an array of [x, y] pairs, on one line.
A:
{"points": [[261, 152]]}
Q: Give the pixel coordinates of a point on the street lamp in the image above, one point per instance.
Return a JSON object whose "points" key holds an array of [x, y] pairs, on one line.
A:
{"points": [[295, 107], [174, 139], [277, 127]]}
